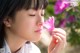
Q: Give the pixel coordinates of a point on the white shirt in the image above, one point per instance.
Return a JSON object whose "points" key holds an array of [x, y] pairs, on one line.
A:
{"points": [[27, 48]]}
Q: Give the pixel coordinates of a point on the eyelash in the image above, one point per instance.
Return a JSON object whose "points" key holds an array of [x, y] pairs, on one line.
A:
{"points": [[31, 15], [34, 15]]}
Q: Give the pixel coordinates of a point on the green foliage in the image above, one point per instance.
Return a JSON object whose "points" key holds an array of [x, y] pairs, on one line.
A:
{"points": [[74, 34]]}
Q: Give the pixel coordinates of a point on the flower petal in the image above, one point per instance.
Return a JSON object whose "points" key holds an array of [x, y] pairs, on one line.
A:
{"points": [[49, 24]]}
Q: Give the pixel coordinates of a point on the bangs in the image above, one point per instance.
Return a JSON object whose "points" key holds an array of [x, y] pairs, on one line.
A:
{"points": [[9, 7], [34, 4]]}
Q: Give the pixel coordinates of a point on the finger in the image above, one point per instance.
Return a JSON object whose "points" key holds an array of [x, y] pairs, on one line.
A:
{"points": [[61, 36], [64, 42], [59, 30], [59, 45], [55, 47], [54, 39], [58, 38], [52, 44]]}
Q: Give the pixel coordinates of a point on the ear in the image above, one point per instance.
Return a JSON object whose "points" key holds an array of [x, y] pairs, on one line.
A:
{"points": [[7, 22]]}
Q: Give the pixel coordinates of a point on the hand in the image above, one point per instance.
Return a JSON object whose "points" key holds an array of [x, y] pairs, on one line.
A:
{"points": [[58, 41]]}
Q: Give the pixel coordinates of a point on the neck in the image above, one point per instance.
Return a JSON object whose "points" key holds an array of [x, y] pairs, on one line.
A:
{"points": [[14, 42]]}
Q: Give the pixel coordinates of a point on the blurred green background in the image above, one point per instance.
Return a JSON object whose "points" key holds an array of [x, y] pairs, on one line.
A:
{"points": [[70, 25]]}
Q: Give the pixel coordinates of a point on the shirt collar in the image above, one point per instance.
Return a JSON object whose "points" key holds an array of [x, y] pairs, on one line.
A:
{"points": [[6, 47], [24, 49], [27, 48]]}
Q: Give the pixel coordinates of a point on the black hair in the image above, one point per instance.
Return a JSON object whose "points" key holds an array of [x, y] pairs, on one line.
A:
{"points": [[9, 8]]}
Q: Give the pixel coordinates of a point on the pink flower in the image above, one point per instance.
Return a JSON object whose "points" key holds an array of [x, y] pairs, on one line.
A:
{"points": [[49, 24], [60, 6], [71, 19], [63, 23]]}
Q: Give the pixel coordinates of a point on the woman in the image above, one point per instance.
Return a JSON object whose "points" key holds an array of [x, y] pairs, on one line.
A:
{"points": [[21, 23]]}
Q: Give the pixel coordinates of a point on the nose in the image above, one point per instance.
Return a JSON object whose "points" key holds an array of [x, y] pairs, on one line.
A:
{"points": [[40, 21], [40, 24]]}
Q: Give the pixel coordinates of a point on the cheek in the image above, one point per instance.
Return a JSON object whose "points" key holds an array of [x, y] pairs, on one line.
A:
{"points": [[24, 28]]}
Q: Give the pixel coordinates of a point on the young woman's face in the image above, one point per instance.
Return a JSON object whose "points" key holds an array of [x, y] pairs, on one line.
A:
{"points": [[28, 24]]}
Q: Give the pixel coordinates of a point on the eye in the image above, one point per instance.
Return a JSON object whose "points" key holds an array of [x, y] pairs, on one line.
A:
{"points": [[31, 14]]}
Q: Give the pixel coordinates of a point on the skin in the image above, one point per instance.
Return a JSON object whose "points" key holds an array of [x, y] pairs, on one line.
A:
{"points": [[25, 28], [57, 46]]}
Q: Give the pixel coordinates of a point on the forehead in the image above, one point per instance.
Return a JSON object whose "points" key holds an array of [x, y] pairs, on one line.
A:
{"points": [[36, 10], [32, 11]]}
